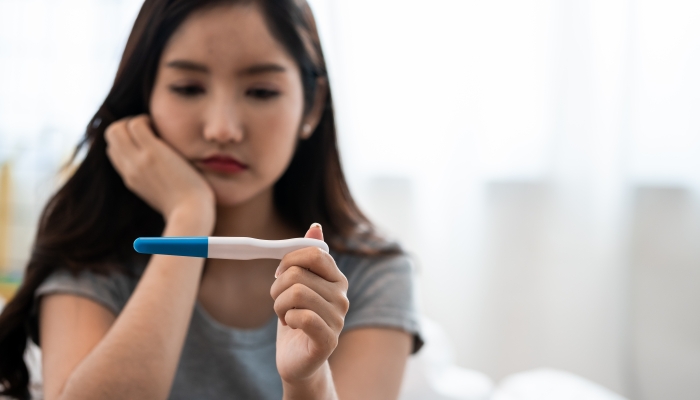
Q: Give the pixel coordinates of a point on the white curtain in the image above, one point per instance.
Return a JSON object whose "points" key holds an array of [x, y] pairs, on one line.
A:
{"points": [[540, 159]]}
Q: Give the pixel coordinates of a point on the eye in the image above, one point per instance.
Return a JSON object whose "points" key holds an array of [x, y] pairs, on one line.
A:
{"points": [[261, 93], [187, 90]]}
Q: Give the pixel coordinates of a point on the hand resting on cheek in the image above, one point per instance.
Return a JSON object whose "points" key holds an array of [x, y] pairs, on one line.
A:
{"points": [[155, 171]]}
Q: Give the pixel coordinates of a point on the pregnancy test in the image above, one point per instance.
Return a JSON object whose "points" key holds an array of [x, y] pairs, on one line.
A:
{"points": [[230, 248]]}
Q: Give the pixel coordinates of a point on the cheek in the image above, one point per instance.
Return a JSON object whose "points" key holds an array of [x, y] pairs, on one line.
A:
{"points": [[173, 121], [275, 138]]}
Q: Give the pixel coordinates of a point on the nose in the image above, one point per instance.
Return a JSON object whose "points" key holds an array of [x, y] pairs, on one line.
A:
{"points": [[223, 123]]}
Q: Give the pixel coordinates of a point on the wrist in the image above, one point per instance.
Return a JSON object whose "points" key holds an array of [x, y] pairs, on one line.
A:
{"points": [[190, 219], [318, 386]]}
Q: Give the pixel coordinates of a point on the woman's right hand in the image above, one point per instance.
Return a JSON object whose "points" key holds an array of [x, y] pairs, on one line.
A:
{"points": [[156, 172]]}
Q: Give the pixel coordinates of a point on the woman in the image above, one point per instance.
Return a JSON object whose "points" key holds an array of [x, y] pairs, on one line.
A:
{"points": [[219, 123]]}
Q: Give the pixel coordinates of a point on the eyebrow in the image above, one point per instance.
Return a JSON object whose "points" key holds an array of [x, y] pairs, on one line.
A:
{"points": [[188, 66], [263, 69], [254, 70]]}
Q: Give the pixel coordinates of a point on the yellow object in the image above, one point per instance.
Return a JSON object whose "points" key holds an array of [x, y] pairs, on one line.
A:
{"points": [[8, 290], [5, 216]]}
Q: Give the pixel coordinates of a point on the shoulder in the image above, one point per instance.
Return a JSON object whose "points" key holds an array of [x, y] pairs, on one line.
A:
{"points": [[387, 276], [378, 281], [381, 292], [360, 266], [110, 286]]}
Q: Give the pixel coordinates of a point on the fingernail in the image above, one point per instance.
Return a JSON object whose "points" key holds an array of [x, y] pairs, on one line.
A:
{"points": [[277, 271], [316, 224]]}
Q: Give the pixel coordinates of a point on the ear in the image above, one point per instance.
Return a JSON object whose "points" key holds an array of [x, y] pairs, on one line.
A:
{"points": [[313, 117]]}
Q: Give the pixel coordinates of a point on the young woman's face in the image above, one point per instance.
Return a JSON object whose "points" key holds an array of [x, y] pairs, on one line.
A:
{"points": [[229, 98]]}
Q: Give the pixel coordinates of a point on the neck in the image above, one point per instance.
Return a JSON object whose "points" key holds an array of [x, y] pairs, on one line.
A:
{"points": [[255, 218], [237, 292]]}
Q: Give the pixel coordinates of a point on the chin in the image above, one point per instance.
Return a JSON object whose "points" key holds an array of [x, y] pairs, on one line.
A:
{"points": [[234, 195], [236, 192], [228, 199]]}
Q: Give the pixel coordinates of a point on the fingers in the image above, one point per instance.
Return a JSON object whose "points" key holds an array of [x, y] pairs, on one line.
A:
{"points": [[128, 137], [140, 130], [132, 148], [301, 297], [137, 130], [308, 279], [116, 134], [312, 325], [119, 144], [328, 290], [315, 231], [314, 259]]}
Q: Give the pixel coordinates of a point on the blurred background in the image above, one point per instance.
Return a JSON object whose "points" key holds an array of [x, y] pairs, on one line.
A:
{"points": [[540, 159]]}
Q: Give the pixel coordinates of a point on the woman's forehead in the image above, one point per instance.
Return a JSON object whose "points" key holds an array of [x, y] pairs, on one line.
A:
{"points": [[226, 37]]}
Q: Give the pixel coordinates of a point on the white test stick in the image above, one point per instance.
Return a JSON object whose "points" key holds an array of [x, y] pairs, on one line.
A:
{"points": [[231, 248]]}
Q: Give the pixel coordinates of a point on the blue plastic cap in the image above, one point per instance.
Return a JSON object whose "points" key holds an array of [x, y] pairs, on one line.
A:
{"points": [[173, 246]]}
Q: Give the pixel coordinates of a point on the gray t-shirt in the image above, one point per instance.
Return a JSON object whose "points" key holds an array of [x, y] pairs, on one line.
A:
{"points": [[219, 361]]}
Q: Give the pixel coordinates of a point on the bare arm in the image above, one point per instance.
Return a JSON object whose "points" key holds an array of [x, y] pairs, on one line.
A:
{"points": [[88, 353], [369, 363]]}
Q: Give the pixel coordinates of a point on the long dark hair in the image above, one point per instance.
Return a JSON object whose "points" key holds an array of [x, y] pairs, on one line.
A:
{"points": [[93, 218]]}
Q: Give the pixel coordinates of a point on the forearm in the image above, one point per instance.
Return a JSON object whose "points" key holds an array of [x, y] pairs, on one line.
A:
{"points": [[138, 356], [318, 387]]}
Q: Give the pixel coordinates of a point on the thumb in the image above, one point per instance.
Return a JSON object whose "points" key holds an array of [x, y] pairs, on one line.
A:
{"points": [[314, 232]]}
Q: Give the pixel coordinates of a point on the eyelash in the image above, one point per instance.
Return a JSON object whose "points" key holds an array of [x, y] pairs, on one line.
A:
{"points": [[187, 90], [194, 90], [262, 94]]}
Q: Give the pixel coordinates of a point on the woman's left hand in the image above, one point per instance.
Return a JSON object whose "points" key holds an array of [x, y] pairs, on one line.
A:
{"points": [[311, 301]]}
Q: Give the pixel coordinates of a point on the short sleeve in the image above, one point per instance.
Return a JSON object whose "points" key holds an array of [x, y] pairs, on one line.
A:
{"points": [[110, 290], [381, 293]]}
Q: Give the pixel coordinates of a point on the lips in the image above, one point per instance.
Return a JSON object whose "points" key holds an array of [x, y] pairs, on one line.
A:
{"points": [[223, 164]]}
